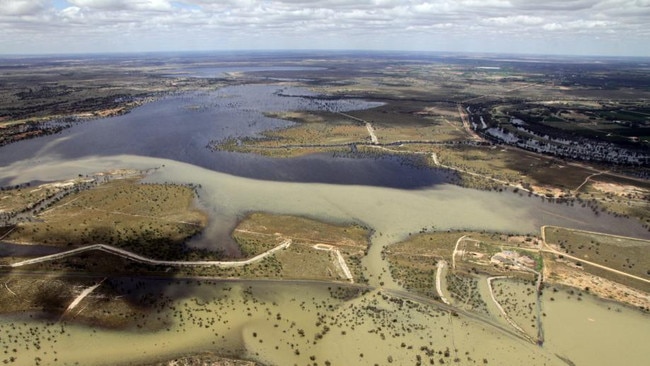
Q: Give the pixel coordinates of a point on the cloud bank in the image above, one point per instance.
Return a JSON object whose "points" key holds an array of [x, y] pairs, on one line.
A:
{"points": [[595, 27]]}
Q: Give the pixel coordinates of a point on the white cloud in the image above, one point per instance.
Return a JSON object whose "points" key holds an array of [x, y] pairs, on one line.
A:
{"points": [[22, 7], [72, 12], [552, 26], [157, 5], [393, 24], [514, 20], [558, 5]]}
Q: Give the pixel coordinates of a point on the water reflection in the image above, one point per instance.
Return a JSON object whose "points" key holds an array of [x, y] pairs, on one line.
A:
{"points": [[181, 127]]}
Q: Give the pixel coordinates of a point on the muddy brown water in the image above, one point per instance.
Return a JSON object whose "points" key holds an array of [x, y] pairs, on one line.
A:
{"points": [[278, 324], [392, 214], [228, 193], [519, 300], [591, 331]]}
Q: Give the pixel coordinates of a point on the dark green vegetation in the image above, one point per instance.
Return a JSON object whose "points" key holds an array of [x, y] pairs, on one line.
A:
{"points": [[519, 300], [464, 290], [156, 220], [265, 319], [206, 358], [153, 220]]}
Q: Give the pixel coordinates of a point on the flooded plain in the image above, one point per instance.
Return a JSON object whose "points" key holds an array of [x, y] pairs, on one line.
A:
{"points": [[223, 71], [280, 324], [182, 127], [590, 331], [389, 197], [518, 299], [392, 214]]}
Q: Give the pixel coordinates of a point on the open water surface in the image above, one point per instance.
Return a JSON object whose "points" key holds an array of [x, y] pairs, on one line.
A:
{"points": [[181, 127], [218, 72], [277, 324], [172, 134]]}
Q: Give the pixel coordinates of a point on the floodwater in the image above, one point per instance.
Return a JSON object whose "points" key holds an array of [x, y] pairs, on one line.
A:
{"points": [[391, 198], [519, 300], [590, 331], [219, 72], [278, 324], [182, 127], [391, 213]]}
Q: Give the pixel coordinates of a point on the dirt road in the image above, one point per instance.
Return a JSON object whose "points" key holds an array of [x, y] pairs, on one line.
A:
{"points": [[138, 258], [441, 267], [547, 248]]}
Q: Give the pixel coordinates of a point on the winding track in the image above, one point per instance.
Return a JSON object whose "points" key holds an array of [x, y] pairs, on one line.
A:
{"points": [[502, 310], [585, 182], [138, 258], [453, 254], [371, 130], [391, 292], [441, 266], [341, 261], [287, 242]]}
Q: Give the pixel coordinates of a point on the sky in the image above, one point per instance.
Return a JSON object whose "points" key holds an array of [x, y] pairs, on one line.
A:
{"points": [[556, 27]]}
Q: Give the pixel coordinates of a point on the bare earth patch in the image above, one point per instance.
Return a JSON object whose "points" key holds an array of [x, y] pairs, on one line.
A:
{"points": [[619, 189], [564, 273]]}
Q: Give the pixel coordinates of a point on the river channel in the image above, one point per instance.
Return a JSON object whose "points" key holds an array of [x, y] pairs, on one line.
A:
{"points": [[181, 127]]}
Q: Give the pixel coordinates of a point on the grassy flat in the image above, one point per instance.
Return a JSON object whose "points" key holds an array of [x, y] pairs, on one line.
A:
{"points": [[150, 219]]}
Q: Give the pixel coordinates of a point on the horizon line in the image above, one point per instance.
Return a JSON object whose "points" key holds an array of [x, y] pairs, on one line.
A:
{"points": [[521, 55]]}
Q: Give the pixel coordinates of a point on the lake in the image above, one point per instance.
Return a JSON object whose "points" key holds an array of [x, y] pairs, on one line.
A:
{"points": [[181, 127]]}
